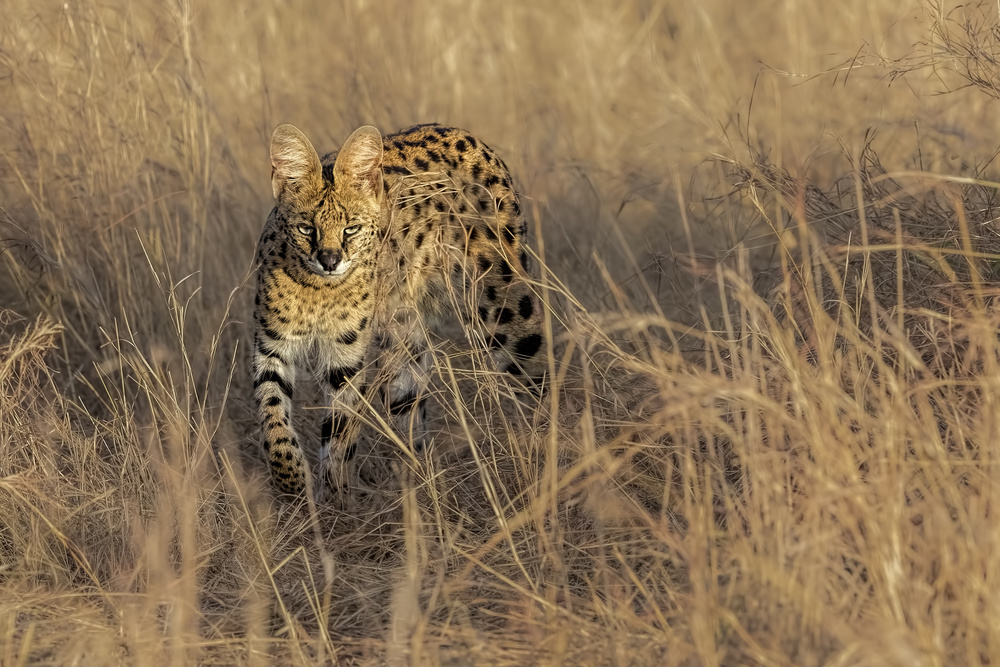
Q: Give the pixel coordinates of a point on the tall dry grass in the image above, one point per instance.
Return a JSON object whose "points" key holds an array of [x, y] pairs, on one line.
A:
{"points": [[770, 435]]}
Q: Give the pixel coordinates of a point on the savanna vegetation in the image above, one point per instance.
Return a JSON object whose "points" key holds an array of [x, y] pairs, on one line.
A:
{"points": [[770, 434]]}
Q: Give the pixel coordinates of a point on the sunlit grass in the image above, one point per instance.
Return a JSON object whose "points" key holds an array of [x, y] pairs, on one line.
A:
{"points": [[769, 435]]}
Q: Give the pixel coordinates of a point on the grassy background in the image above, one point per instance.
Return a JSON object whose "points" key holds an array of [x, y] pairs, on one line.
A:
{"points": [[705, 483]]}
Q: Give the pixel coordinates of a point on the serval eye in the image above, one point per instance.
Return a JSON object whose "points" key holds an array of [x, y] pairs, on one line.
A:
{"points": [[353, 229], [306, 230]]}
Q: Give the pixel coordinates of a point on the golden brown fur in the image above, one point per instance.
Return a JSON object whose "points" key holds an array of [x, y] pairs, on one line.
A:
{"points": [[373, 245]]}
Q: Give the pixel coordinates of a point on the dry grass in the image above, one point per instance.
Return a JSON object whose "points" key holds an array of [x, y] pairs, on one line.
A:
{"points": [[771, 437]]}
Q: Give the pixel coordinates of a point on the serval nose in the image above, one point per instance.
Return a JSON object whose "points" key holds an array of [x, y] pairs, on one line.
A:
{"points": [[329, 259]]}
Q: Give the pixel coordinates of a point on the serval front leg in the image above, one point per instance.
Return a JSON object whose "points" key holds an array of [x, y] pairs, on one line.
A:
{"points": [[343, 378], [273, 380], [406, 392]]}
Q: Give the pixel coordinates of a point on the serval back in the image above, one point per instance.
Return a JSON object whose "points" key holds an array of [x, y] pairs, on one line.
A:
{"points": [[365, 250]]}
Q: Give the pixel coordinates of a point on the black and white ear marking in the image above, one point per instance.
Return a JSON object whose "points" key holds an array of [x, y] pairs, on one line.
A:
{"points": [[359, 162], [295, 166]]}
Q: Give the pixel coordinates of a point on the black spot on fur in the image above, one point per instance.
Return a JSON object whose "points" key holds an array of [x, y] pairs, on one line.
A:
{"points": [[483, 313], [439, 205], [364, 322], [491, 180], [505, 271], [528, 346], [418, 240], [264, 351], [477, 170], [498, 340], [272, 334], [508, 233], [473, 233], [272, 424], [338, 376], [513, 369], [333, 426], [421, 164], [490, 234], [491, 293], [484, 263], [525, 307], [472, 140], [433, 155], [525, 262], [504, 315], [349, 338], [460, 146], [272, 376], [397, 169]]}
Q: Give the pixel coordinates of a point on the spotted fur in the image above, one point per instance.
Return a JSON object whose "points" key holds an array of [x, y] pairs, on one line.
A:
{"points": [[366, 249]]}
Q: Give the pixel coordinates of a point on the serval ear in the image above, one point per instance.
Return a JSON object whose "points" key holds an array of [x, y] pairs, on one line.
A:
{"points": [[295, 166], [359, 163]]}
